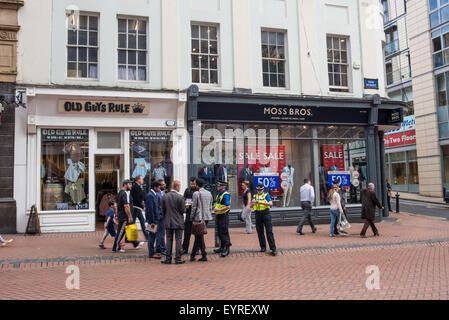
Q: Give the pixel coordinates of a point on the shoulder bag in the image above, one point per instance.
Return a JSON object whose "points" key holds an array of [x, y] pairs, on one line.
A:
{"points": [[199, 227]]}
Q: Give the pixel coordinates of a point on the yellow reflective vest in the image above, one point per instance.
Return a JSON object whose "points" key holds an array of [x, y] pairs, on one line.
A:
{"points": [[219, 203], [261, 198]]}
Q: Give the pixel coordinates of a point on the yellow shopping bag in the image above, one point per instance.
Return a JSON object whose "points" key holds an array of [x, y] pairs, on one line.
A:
{"points": [[131, 232]]}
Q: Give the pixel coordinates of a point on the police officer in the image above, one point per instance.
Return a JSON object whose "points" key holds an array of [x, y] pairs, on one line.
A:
{"points": [[261, 205], [222, 206]]}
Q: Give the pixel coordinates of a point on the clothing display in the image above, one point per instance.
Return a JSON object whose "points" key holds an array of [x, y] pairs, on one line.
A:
{"points": [[142, 167], [159, 173], [288, 191], [141, 150], [207, 175], [74, 151], [266, 170], [223, 174], [74, 170], [76, 190]]}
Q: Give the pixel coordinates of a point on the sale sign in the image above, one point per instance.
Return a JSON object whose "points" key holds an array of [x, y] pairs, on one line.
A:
{"points": [[333, 157], [263, 159], [406, 135]]}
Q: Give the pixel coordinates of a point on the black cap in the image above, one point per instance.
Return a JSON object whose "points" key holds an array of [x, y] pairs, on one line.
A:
{"points": [[260, 186], [126, 181], [221, 184]]}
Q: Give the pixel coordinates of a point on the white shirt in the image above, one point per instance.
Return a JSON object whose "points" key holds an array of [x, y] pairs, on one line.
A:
{"points": [[307, 193]]}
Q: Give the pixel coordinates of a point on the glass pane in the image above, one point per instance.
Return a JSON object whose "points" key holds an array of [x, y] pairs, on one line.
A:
{"points": [[329, 42], [195, 76], [444, 14], [281, 80], [337, 68], [264, 37], [434, 19], [131, 41], [436, 44], [344, 80], [195, 32], [443, 129], [446, 40], [132, 57], [82, 37], [337, 80], [280, 38], [343, 44], [122, 25], [445, 56], [336, 56], [330, 56], [109, 140], [281, 67], [398, 157], [132, 73], [122, 41], [442, 98], [82, 54], [82, 70], [72, 72], [266, 81], [71, 37], [93, 70], [272, 38], [132, 26], [142, 73], [273, 68], [93, 23], [331, 79], [142, 27], [213, 76], [195, 46], [213, 33], [344, 57], [443, 115], [204, 76], [272, 51], [433, 4], [213, 62], [273, 80], [93, 54], [438, 59], [71, 54], [122, 57], [195, 61], [265, 65], [204, 34], [213, 47], [204, 46], [142, 58], [204, 62], [443, 2], [83, 22], [93, 38], [281, 52], [142, 42], [122, 72], [264, 51], [336, 43], [344, 69]]}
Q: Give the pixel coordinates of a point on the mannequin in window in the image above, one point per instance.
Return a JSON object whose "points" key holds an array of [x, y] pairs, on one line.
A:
{"points": [[159, 173], [265, 169], [323, 181], [206, 173], [223, 174], [288, 191], [248, 174]]}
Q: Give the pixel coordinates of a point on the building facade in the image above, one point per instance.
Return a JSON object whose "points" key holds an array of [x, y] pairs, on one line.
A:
{"points": [[9, 28], [125, 89]]}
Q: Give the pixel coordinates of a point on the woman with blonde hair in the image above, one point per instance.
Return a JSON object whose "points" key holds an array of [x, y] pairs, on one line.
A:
{"points": [[335, 209]]}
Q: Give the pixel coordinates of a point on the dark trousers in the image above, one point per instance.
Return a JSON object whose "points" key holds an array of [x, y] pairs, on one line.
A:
{"points": [[199, 245], [216, 235], [187, 232], [366, 225], [263, 219], [159, 238], [223, 229], [307, 207], [120, 234], [138, 214], [178, 238], [389, 204]]}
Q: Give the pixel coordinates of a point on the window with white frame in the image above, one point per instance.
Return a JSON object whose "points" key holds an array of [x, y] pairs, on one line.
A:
{"points": [[132, 49], [204, 53], [337, 62], [273, 58], [82, 48]]}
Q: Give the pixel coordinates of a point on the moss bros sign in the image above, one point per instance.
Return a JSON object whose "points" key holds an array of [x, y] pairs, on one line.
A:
{"points": [[103, 107]]}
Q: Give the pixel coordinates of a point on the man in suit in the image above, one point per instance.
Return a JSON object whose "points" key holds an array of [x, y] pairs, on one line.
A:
{"points": [[173, 209], [206, 174], [369, 203], [153, 217]]}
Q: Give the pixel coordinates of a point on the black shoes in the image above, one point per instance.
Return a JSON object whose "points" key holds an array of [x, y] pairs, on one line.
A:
{"points": [[225, 252], [180, 262], [219, 250], [203, 258], [166, 262], [192, 259], [274, 253], [300, 232], [314, 230], [263, 250]]}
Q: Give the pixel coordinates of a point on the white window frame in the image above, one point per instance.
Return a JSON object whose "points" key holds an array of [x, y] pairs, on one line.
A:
{"points": [[285, 59], [341, 88]]}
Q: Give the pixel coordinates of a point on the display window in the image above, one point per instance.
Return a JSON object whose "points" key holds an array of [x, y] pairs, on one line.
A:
{"points": [[150, 156], [64, 169]]}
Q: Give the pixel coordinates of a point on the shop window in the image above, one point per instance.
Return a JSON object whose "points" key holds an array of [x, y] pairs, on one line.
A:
{"points": [[338, 63], [398, 167], [412, 162], [132, 49], [204, 53], [64, 169], [274, 58], [445, 152], [150, 156], [82, 48], [442, 101]]}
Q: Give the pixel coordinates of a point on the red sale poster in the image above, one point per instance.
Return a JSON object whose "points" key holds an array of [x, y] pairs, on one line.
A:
{"points": [[334, 157]]}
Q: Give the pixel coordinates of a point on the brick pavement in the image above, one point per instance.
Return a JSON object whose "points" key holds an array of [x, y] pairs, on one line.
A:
{"points": [[412, 254]]}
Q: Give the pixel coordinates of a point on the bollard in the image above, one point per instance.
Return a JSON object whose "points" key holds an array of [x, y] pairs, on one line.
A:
{"points": [[397, 202]]}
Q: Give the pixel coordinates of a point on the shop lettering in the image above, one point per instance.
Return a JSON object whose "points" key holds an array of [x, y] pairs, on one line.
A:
{"points": [[64, 132], [97, 107], [333, 155], [279, 111], [266, 156]]}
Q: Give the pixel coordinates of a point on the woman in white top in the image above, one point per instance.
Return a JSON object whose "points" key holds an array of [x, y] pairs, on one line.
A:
{"points": [[336, 209]]}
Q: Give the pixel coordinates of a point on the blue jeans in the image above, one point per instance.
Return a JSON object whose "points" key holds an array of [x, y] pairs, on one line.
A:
{"points": [[160, 239], [334, 218]]}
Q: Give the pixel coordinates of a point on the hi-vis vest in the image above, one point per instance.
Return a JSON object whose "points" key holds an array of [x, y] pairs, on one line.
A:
{"points": [[261, 198], [219, 203]]}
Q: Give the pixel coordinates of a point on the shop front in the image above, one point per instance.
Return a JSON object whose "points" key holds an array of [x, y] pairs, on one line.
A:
{"points": [[280, 141], [81, 148]]}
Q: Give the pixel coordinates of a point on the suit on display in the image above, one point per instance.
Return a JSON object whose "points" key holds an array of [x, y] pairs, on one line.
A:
{"points": [[288, 191], [207, 175]]}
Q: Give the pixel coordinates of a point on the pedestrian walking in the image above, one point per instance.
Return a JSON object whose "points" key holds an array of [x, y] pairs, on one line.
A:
{"points": [[173, 208], [307, 198], [335, 209], [389, 196], [5, 242], [261, 204], [153, 208], [138, 196], [109, 225], [160, 245], [124, 215], [246, 210], [341, 217], [188, 198], [369, 203], [202, 209], [222, 206]]}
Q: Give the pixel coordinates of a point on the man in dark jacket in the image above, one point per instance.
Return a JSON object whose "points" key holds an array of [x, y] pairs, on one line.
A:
{"points": [[153, 217], [173, 209], [369, 203], [138, 196], [188, 196]]}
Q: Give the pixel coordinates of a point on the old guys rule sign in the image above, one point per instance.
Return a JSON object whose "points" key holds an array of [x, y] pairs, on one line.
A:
{"points": [[334, 155]]}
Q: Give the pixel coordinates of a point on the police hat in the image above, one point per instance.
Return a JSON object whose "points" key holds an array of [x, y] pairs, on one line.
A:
{"points": [[126, 181], [260, 186], [222, 184]]}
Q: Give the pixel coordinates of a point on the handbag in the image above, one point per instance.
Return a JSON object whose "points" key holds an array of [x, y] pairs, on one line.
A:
{"points": [[131, 232], [199, 227], [152, 228], [344, 224]]}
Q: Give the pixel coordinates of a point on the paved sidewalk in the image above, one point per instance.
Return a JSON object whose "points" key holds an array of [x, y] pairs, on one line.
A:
{"points": [[416, 197]]}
